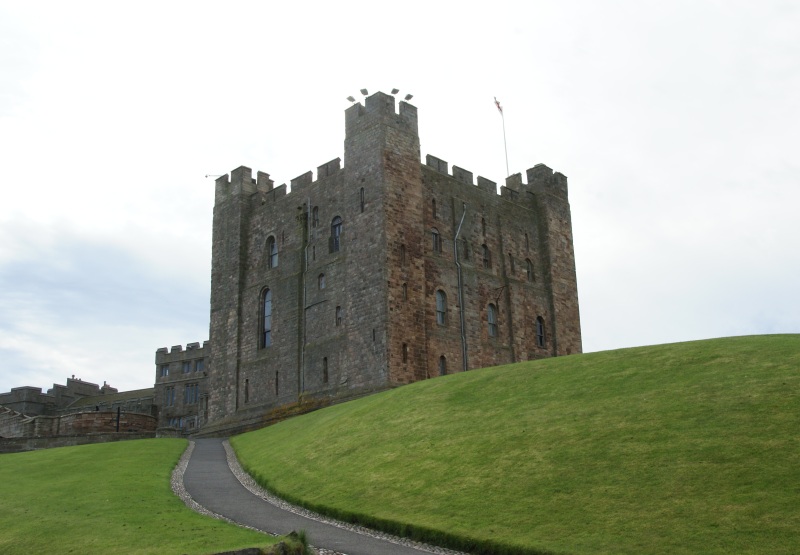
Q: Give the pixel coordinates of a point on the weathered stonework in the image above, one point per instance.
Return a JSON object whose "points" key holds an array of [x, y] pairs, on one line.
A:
{"points": [[360, 255]]}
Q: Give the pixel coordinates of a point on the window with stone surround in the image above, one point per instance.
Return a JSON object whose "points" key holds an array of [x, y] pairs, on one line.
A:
{"points": [[321, 281], [191, 393], [336, 234], [405, 292], [405, 352], [441, 308], [169, 396], [187, 366], [266, 320], [491, 318], [315, 217], [529, 269], [164, 370], [272, 249], [442, 365], [361, 199], [199, 365], [436, 240], [539, 332], [324, 369], [487, 257], [338, 315]]}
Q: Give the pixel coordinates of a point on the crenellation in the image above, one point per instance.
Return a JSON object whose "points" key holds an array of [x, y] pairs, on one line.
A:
{"points": [[487, 185], [462, 175], [176, 349], [514, 181], [329, 168], [263, 183], [301, 180], [436, 163]]}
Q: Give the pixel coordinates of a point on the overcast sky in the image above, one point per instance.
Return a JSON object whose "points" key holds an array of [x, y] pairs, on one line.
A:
{"points": [[677, 124]]}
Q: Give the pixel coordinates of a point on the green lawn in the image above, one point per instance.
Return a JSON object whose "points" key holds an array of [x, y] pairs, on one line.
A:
{"points": [[684, 448], [105, 498]]}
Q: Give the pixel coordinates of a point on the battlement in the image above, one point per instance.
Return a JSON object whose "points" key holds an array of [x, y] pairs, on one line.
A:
{"points": [[380, 108], [540, 178], [177, 352]]}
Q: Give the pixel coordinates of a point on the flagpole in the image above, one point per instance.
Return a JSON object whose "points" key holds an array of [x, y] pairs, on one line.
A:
{"points": [[505, 145]]}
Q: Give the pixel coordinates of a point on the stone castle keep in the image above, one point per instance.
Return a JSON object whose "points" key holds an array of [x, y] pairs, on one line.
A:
{"points": [[382, 271]]}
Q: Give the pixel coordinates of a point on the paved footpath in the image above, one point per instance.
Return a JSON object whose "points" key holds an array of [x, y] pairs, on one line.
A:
{"points": [[210, 482]]}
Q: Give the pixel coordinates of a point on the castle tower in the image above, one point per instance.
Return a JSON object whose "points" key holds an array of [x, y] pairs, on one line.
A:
{"points": [[382, 272]]}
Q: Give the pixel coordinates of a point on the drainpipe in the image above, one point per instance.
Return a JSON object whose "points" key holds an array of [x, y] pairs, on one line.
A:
{"points": [[461, 292]]}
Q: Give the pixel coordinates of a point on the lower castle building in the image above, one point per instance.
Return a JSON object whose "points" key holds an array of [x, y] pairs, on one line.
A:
{"points": [[380, 272]]}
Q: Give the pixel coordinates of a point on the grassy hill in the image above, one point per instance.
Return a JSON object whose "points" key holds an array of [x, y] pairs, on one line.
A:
{"points": [[106, 498], [683, 448]]}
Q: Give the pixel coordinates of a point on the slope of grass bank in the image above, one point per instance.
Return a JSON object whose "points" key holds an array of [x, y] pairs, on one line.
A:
{"points": [[105, 498], [682, 448]]}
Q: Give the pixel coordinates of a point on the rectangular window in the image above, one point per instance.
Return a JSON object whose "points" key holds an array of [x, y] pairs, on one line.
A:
{"points": [[169, 396], [164, 370], [199, 365], [187, 366]]}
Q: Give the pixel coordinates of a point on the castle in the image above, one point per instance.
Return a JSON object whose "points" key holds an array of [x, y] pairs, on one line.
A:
{"points": [[382, 271]]}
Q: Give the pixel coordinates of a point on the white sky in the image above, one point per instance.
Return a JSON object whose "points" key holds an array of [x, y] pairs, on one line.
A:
{"points": [[677, 123]]}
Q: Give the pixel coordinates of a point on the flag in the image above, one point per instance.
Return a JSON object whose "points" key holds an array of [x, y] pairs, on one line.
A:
{"points": [[497, 103]]}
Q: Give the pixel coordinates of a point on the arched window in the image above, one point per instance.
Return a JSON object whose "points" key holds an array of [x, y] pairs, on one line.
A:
{"points": [[266, 330], [433, 208], [436, 240], [272, 249], [325, 370], [361, 197], [321, 281], [336, 234], [491, 317], [487, 257], [405, 292], [441, 308], [539, 332], [442, 365], [315, 217], [338, 315], [529, 269]]}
